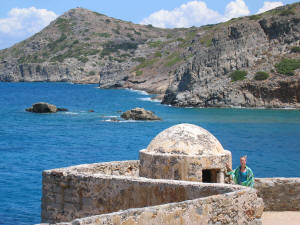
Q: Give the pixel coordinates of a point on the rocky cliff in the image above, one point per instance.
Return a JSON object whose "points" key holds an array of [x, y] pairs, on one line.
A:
{"points": [[249, 61]]}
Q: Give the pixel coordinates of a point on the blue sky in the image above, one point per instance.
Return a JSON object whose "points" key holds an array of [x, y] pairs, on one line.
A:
{"points": [[19, 19]]}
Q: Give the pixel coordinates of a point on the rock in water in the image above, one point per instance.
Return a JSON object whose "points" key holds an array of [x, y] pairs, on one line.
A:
{"points": [[42, 107], [114, 120], [139, 114], [62, 110]]}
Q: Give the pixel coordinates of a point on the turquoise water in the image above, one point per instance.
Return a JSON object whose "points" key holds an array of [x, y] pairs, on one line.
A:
{"points": [[31, 143]]}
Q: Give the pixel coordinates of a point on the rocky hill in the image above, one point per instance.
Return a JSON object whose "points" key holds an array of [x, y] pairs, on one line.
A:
{"points": [[250, 61]]}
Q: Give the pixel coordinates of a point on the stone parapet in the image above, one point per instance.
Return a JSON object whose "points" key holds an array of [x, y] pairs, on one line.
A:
{"points": [[240, 207], [279, 194], [120, 168], [83, 191]]}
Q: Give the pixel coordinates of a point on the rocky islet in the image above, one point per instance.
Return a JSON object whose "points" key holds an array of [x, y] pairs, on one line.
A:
{"points": [[139, 114], [44, 107]]}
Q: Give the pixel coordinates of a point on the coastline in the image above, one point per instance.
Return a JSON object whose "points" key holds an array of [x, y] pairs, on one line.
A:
{"points": [[157, 97]]}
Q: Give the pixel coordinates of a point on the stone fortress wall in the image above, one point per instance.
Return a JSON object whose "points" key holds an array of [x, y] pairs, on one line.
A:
{"points": [[278, 193], [139, 192], [81, 191]]}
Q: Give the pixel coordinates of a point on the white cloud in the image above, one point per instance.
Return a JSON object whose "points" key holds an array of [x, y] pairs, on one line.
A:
{"points": [[236, 9], [195, 13], [268, 6], [26, 21]]}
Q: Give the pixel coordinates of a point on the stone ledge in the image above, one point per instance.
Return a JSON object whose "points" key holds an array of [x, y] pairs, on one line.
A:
{"points": [[279, 193]]}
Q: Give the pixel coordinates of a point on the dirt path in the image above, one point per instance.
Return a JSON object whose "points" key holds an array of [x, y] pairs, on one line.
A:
{"points": [[281, 218]]}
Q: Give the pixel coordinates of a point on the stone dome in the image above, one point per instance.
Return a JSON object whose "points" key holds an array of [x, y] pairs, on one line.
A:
{"points": [[185, 139]]}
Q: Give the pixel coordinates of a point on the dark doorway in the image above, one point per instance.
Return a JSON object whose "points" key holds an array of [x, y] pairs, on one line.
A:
{"points": [[210, 176]]}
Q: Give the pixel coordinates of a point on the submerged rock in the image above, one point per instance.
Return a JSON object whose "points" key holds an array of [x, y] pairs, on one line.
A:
{"points": [[43, 107], [139, 114], [62, 110], [114, 120]]}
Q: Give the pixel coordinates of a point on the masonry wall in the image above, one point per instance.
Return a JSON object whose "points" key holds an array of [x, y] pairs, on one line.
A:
{"points": [[121, 168], [83, 191], [181, 167], [279, 194], [239, 207]]}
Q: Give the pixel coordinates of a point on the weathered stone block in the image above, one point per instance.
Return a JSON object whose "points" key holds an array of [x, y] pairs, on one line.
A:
{"points": [[279, 194]]}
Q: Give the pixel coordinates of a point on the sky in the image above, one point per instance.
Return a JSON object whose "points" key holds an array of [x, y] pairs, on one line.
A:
{"points": [[20, 19]]}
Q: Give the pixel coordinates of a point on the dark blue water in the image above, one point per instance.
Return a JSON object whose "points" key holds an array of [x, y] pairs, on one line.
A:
{"points": [[31, 143]]}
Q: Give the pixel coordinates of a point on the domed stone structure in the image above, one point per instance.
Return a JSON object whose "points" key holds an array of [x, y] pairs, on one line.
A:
{"points": [[185, 152]]}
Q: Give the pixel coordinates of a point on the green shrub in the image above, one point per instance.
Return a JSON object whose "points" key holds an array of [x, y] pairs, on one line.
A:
{"points": [[158, 54], [125, 55], [139, 59], [207, 40], [116, 31], [63, 24], [105, 35], [238, 75], [112, 47], [129, 35], [295, 49], [83, 59], [138, 73], [107, 21], [35, 58], [169, 36], [180, 39], [21, 59], [52, 45], [190, 35], [254, 17], [146, 63], [61, 20], [137, 33], [129, 28], [287, 66], [106, 51], [59, 58], [91, 73], [154, 44], [87, 52], [287, 12], [261, 75], [119, 60], [173, 59]]}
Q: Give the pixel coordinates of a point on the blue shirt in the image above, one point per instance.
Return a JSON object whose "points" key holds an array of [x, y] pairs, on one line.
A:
{"points": [[243, 176]]}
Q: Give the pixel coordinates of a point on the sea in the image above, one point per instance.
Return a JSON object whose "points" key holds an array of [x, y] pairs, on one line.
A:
{"points": [[31, 143]]}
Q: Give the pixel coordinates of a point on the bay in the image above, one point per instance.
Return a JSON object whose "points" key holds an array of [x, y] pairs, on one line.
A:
{"points": [[31, 143]]}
